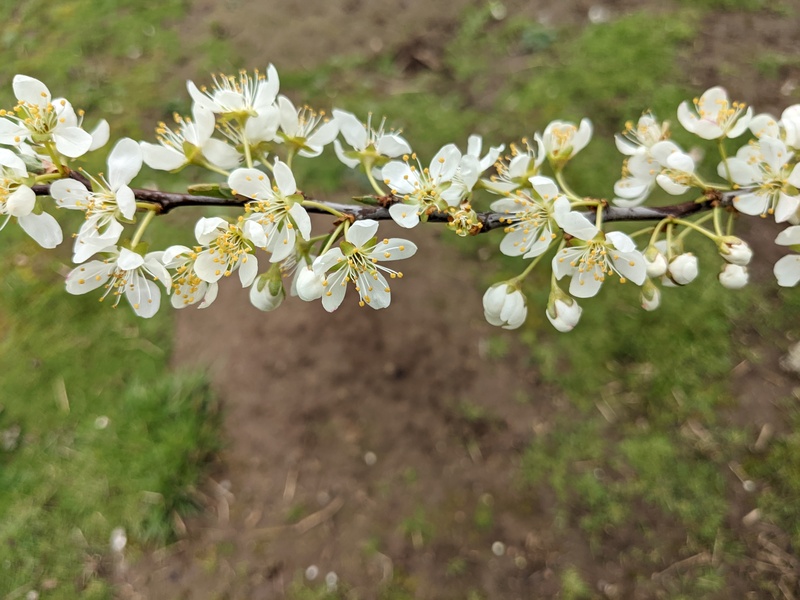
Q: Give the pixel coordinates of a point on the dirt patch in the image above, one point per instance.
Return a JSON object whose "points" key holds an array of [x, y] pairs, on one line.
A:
{"points": [[390, 439]]}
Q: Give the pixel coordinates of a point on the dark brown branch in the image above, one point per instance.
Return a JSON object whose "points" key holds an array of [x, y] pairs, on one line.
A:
{"points": [[167, 201]]}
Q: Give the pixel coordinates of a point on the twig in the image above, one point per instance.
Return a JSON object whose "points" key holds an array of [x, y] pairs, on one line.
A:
{"points": [[168, 201]]}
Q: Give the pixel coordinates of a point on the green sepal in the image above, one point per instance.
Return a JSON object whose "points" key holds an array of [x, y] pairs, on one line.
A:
{"points": [[215, 190], [347, 248]]}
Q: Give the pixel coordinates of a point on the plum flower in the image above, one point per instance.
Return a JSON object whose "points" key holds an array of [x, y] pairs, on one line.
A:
{"points": [[715, 116], [677, 168], [787, 269], [596, 257], [370, 147], [38, 117], [516, 172], [304, 129], [190, 144], [425, 190], [239, 97], [187, 286], [109, 200], [766, 168], [641, 168], [18, 200], [225, 248], [562, 140], [356, 261], [528, 219], [277, 213], [123, 273], [475, 147]]}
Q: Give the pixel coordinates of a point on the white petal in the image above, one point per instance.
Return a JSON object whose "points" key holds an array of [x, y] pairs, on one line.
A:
{"points": [[445, 163], [11, 161], [72, 141], [220, 154], [11, 133], [250, 183], [361, 232], [787, 270], [100, 135], [284, 178], [43, 228], [352, 130], [585, 285], [129, 260], [203, 121], [21, 202], [88, 277], [124, 163], [143, 295], [324, 135], [621, 241], [126, 201], [632, 266], [351, 163], [207, 268], [751, 204], [30, 90], [334, 292], [392, 145], [789, 236], [393, 249], [786, 207], [289, 123], [400, 177], [301, 220], [162, 158], [200, 98], [577, 225], [248, 269]]}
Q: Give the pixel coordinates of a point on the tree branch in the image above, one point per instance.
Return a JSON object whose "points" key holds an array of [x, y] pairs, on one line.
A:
{"points": [[168, 201]]}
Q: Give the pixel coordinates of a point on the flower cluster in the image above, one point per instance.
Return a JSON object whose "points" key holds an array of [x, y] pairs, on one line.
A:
{"points": [[245, 135]]}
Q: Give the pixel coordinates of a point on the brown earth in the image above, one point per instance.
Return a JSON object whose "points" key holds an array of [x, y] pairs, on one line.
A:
{"points": [[383, 445]]}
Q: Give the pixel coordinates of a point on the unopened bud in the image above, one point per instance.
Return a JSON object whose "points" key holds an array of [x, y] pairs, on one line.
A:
{"points": [[267, 293], [683, 268], [655, 261], [309, 285], [734, 250], [734, 277], [650, 296], [505, 306]]}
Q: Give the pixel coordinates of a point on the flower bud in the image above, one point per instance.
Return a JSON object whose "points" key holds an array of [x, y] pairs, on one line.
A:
{"points": [[650, 296], [564, 316], [683, 268], [267, 293], [734, 250], [504, 305], [309, 285], [734, 277], [655, 261]]}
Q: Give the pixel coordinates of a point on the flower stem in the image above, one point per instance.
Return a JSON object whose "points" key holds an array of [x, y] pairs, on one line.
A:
{"points": [[332, 238], [378, 189], [137, 237], [322, 206], [564, 186], [724, 155], [696, 227], [521, 277], [51, 152]]}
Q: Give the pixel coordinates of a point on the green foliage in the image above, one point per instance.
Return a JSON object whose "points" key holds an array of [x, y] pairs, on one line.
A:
{"points": [[91, 445]]}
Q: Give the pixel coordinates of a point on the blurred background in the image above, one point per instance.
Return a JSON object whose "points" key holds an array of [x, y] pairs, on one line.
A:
{"points": [[414, 452]]}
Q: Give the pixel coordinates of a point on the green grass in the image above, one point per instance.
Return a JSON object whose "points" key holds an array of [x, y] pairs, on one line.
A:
{"points": [[97, 432]]}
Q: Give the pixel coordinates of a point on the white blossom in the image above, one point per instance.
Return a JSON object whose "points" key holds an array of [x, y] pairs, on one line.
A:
{"points": [[109, 201], [370, 146], [190, 144], [241, 97], [529, 220], [277, 215], [225, 248], [642, 167], [562, 140], [38, 117], [356, 261], [766, 170], [123, 273], [424, 189], [305, 129], [595, 256], [715, 116], [18, 200], [650, 296], [187, 287], [516, 171]]}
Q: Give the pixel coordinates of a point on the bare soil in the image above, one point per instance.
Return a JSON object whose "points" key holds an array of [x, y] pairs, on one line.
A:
{"points": [[384, 445]]}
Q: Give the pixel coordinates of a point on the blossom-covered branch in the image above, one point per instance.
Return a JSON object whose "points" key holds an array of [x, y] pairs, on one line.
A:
{"points": [[245, 137]]}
